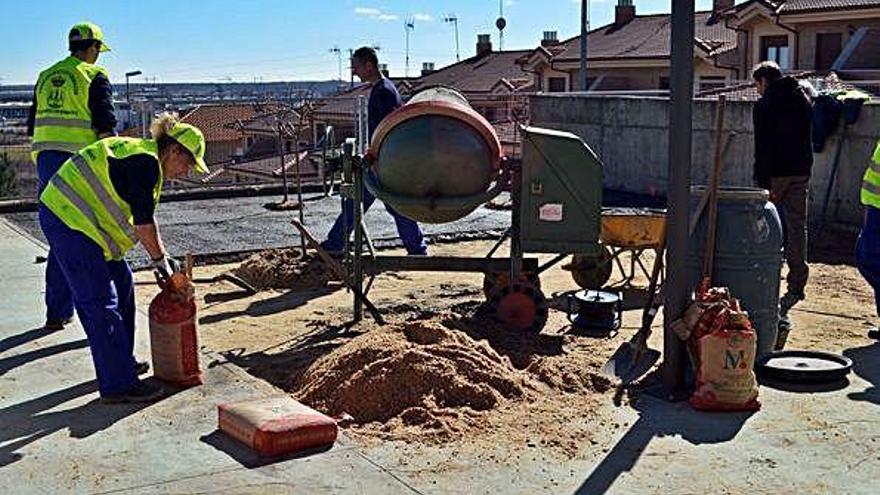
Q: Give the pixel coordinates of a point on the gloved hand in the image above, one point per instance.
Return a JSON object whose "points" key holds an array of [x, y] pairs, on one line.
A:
{"points": [[165, 267]]}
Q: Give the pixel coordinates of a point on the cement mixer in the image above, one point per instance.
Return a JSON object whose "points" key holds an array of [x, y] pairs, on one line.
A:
{"points": [[436, 160]]}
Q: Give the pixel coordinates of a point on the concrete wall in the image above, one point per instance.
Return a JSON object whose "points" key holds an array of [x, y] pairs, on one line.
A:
{"points": [[630, 135]]}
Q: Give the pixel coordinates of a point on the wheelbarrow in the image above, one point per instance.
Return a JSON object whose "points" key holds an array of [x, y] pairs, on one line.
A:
{"points": [[632, 231]]}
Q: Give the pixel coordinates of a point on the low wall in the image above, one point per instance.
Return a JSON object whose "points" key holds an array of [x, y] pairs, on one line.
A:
{"points": [[630, 134]]}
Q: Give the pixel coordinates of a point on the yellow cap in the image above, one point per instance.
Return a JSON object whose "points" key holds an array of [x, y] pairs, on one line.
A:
{"points": [[88, 31], [191, 138]]}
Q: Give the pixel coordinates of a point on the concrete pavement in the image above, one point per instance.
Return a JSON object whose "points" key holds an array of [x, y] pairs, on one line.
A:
{"points": [[57, 438]]}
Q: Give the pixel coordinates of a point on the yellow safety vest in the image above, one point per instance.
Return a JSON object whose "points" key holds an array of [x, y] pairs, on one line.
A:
{"points": [[63, 119], [871, 181], [82, 195]]}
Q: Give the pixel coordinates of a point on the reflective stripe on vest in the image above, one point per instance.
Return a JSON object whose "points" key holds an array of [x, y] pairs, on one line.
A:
{"points": [[48, 121], [55, 146], [116, 251], [103, 196]]}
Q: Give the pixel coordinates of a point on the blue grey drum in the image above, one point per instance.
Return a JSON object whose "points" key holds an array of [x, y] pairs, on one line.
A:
{"points": [[748, 256]]}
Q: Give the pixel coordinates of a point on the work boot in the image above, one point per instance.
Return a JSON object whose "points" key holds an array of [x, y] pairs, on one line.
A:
{"points": [[788, 301], [140, 392], [782, 331], [874, 333], [56, 325]]}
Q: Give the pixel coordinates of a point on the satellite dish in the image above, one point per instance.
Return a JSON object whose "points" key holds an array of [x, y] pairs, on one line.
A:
{"points": [[501, 23]]}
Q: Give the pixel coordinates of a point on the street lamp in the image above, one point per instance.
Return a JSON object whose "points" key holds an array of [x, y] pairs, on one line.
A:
{"points": [[408, 26], [452, 19], [127, 90]]}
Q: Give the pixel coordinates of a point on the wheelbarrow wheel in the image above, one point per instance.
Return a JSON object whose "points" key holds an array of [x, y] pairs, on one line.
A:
{"points": [[520, 307], [591, 271]]}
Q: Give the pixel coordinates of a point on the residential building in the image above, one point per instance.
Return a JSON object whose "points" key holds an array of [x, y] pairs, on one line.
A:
{"points": [[633, 52]]}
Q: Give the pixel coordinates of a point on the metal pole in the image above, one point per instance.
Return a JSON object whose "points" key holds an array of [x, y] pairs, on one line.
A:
{"points": [[680, 132], [128, 101], [351, 67], [584, 31], [299, 189], [280, 148], [457, 51]]}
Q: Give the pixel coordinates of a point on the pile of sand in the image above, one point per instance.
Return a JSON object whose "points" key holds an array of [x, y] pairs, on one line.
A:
{"points": [[417, 374], [284, 268]]}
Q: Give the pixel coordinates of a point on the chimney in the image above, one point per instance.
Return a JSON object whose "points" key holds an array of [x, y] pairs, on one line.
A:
{"points": [[427, 68], [719, 6], [383, 69], [484, 44], [551, 38], [624, 12]]}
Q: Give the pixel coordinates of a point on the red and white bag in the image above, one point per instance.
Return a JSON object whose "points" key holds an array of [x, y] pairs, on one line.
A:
{"points": [[723, 345], [277, 425]]}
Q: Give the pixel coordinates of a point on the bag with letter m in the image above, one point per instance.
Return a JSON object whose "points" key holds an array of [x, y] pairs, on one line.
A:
{"points": [[723, 346]]}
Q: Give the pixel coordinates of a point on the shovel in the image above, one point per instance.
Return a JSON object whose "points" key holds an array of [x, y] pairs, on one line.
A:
{"points": [[634, 358]]}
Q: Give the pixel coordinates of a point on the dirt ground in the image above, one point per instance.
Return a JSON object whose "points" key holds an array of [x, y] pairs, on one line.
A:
{"points": [[278, 335]]}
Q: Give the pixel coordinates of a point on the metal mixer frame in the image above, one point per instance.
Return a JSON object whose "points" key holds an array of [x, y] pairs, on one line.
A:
{"points": [[520, 284]]}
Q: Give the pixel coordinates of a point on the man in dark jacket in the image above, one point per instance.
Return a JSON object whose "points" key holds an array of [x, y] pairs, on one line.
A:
{"points": [[783, 161]]}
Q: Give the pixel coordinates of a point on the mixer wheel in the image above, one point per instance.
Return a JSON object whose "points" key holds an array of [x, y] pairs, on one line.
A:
{"points": [[519, 306]]}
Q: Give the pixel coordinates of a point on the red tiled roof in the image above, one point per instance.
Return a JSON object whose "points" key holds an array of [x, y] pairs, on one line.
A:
{"points": [[793, 6], [213, 119], [480, 74], [647, 36]]}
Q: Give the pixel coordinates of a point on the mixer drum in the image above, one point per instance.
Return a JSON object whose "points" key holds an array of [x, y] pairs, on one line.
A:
{"points": [[435, 158]]}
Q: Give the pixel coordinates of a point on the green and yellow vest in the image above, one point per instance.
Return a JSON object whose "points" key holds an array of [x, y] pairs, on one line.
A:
{"points": [[871, 181], [82, 195], [63, 119]]}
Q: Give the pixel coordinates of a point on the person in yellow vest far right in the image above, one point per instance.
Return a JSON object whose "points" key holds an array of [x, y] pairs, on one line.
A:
{"points": [[868, 246], [98, 206], [72, 108]]}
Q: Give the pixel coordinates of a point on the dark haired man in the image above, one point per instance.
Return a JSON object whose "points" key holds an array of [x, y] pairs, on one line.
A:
{"points": [[383, 100], [783, 162], [72, 108]]}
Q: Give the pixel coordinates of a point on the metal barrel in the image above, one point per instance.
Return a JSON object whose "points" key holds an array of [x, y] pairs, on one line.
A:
{"points": [[748, 256]]}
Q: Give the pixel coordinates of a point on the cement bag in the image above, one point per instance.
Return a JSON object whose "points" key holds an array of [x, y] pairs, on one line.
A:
{"points": [[276, 426], [173, 333], [723, 346]]}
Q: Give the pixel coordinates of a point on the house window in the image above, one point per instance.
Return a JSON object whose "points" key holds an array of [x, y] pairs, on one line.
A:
{"points": [[828, 46], [556, 85], [776, 49], [712, 82], [489, 113]]}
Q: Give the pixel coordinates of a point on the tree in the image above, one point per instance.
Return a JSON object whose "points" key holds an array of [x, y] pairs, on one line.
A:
{"points": [[8, 180]]}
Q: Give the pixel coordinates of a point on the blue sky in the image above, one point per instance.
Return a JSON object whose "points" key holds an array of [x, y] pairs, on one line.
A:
{"points": [[240, 40]]}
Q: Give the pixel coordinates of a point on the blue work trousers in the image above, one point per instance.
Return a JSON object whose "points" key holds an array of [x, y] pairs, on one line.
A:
{"points": [[408, 229], [59, 302], [103, 293], [868, 252]]}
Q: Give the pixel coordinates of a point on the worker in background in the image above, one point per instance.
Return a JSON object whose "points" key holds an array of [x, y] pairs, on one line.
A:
{"points": [[72, 108], [783, 162], [868, 246], [98, 206], [384, 99]]}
